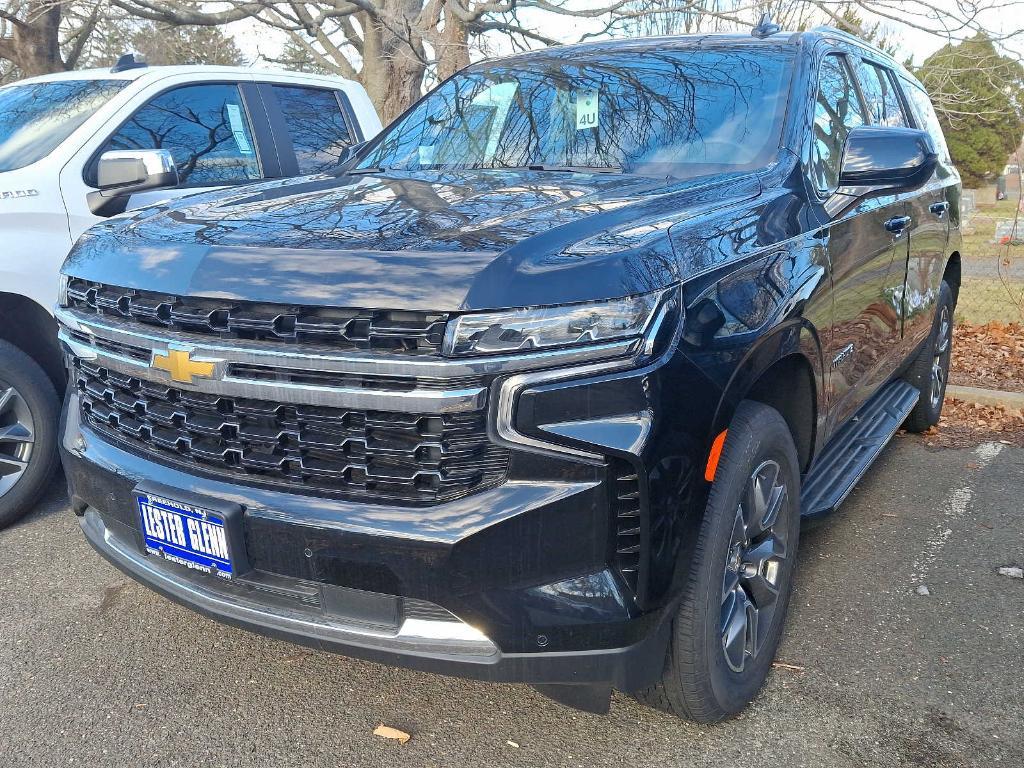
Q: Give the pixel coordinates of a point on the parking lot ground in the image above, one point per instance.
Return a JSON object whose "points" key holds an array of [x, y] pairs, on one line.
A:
{"points": [[96, 670]]}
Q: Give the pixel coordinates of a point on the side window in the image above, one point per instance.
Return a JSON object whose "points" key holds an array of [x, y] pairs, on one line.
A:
{"points": [[926, 117], [836, 111], [206, 129], [316, 124], [880, 94]]}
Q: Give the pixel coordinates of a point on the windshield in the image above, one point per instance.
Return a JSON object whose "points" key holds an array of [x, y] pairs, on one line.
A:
{"points": [[36, 117], [674, 112]]}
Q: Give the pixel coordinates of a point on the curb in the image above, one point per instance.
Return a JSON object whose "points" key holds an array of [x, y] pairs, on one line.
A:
{"points": [[1012, 400]]}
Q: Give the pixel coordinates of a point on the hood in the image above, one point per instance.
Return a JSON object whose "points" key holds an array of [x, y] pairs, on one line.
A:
{"points": [[468, 241]]}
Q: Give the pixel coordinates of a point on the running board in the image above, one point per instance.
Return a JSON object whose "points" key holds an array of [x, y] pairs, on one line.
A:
{"points": [[854, 447]]}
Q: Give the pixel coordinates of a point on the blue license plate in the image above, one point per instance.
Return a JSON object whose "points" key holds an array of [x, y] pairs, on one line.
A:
{"points": [[186, 534]]}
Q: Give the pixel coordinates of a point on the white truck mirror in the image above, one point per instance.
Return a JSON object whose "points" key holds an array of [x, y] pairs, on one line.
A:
{"points": [[123, 173]]}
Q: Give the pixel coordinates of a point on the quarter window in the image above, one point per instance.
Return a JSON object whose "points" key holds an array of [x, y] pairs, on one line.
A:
{"points": [[206, 129], [837, 111], [316, 125], [880, 94], [927, 119]]}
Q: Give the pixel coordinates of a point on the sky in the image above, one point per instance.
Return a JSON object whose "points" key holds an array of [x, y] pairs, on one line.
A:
{"points": [[259, 43]]}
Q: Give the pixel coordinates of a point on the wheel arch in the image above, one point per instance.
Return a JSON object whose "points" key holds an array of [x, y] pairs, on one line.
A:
{"points": [[783, 370], [952, 274], [32, 329]]}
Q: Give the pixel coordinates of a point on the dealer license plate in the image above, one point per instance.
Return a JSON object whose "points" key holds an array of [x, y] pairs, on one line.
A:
{"points": [[186, 534]]}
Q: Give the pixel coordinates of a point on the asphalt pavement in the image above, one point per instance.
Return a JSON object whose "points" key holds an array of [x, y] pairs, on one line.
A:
{"points": [[97, 671]]}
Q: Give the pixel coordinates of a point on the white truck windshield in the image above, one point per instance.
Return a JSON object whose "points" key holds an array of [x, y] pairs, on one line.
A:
{"points": [[36, 117]]}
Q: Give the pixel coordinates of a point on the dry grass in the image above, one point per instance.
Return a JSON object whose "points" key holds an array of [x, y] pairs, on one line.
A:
{"points": [[999, 296]]}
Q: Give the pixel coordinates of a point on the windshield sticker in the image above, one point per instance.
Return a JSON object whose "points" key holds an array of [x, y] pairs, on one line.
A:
{"points": [[587, 105], [238, 129], [426, 154]]}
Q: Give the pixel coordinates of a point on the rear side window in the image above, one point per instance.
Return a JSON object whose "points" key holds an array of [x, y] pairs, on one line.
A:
{"points": [[206, 129], [880, 94], [926, 117], [316, 125], [837, 110]]}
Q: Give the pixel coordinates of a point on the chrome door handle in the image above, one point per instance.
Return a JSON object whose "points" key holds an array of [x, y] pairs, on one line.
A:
{"points": [[939, 209], [897, 224]]}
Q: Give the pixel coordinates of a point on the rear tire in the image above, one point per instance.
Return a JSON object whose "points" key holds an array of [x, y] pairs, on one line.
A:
{"points": [[734, 605], [29, 412], [929, 372]]}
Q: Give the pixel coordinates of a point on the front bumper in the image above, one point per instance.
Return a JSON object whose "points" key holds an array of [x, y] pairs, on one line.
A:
{"points": [[432, 645], [509, 584]]}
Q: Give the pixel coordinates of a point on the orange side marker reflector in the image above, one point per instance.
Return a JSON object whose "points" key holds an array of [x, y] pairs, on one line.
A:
{"points": [[714, 456]]}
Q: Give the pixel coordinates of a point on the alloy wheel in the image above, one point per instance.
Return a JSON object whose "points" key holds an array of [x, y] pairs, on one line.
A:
{"points": [[940, 358], [17, 436], [753, 567]]}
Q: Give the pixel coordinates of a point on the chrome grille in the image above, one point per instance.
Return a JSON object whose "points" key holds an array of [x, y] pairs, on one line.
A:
{"points": [[379, 455], [383, 330], [314, 378]]}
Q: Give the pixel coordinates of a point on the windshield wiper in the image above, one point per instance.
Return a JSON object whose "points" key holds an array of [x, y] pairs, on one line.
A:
{"points": [[574, 168], [371, 169]]}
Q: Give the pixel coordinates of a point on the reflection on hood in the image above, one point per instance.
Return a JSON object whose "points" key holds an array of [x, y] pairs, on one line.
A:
{"points": [[429, 241]]}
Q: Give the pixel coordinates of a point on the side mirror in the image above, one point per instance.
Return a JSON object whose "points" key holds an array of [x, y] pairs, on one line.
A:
{"points": [[119, 175], [879, 160], [349, 153]]}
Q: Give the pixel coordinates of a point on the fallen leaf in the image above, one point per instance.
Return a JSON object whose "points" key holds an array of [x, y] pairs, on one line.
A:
{"points": [[387, 732]]}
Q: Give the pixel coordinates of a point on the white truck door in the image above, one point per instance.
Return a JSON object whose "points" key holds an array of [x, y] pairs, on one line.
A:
{"points": [[35, 235], [207, 126]]}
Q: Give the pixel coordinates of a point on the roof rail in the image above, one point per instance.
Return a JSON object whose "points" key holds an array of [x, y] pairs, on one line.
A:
{"points": [[844, 34], [828, 29], [765, 27], [129, 61]]}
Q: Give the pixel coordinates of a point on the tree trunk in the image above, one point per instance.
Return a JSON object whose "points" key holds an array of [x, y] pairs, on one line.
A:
{"points": [[35, 43], [453, 51], [393, 67]]}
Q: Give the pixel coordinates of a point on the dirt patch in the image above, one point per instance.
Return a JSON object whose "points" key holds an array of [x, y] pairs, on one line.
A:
{"points": [[966, 424], [989, 356]]}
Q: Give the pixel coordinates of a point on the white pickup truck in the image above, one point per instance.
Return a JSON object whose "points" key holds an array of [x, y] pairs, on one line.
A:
{"points": [[78, 147]]}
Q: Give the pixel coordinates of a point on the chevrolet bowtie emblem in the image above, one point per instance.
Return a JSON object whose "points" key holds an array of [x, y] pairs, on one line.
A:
{"points": [[181, 366]]}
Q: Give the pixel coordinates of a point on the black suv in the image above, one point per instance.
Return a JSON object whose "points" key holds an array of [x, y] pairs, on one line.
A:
{"points": [[539, 386]]}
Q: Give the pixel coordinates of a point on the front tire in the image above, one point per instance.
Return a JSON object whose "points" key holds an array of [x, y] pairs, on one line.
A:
{"points": [[29, 411], [929, 372], [734, 606]]}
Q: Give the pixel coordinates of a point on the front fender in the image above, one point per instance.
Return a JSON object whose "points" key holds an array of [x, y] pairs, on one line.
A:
{"points": [[797, 337], [762, 312]]}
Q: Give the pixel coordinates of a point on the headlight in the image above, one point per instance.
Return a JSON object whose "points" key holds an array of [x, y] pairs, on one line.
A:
{"points": [[519, 330], [62, 291]]}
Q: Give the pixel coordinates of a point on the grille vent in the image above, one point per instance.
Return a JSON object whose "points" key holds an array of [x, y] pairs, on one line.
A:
{"points": [[628, 523], [382, 330]]}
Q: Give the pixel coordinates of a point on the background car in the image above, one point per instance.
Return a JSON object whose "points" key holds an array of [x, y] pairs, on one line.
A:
{"points": [[78, 147]]}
